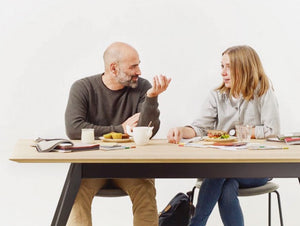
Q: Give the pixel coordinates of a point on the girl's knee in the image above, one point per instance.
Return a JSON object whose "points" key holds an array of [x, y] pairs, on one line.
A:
{"points": [[230, 190]]}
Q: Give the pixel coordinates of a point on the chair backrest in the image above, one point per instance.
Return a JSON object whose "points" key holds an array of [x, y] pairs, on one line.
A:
{"points": [[111, 190]]}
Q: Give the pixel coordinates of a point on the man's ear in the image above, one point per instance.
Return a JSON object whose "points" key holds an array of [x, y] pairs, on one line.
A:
{"points": [[114, 68]]}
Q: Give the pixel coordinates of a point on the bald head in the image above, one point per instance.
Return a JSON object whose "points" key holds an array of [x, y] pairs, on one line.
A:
{"points": [[121, 63], [117, 53]]}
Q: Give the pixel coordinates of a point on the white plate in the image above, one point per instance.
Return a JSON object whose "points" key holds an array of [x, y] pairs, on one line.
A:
{"points": [[230, 139], [116, 140]]}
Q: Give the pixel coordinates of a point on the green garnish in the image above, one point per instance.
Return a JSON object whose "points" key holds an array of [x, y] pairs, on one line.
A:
{"points": [[224, 136]]}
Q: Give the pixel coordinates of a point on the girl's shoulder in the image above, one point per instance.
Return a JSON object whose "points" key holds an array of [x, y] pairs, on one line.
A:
{"points": [[216, 93]]}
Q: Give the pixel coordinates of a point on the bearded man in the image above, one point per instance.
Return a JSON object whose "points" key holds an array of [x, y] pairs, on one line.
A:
{"points": [[109, 102]]}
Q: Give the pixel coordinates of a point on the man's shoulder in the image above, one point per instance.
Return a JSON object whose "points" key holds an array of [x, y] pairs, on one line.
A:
{"points": [[88, 81], [86, 84]]}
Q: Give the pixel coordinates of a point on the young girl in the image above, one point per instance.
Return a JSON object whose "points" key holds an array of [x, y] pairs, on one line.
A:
{"points": [[245, 96]]}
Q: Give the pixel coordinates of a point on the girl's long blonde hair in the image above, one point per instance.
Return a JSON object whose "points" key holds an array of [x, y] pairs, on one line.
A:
{"points": [[246, 73]]}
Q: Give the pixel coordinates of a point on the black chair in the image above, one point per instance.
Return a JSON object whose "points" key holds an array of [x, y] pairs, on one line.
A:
{"points": [[269, 188], [111, 190]]}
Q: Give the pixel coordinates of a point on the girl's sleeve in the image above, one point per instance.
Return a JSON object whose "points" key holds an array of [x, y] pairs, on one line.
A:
{"points": [[208, 115], [269, 116]]}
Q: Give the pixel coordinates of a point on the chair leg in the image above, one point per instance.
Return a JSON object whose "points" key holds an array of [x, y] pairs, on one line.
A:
{"points": [[279, 207], [269, 209]]}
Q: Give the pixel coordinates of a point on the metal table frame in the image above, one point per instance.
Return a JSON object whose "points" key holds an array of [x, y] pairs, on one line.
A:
{"points": [[77, 171]]}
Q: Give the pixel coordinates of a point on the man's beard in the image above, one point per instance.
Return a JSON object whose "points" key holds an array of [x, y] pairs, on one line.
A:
{"points": [[126, 80]]}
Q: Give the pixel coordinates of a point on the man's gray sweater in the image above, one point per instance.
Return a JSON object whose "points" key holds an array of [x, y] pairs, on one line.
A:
{"points": [[92, 105]]}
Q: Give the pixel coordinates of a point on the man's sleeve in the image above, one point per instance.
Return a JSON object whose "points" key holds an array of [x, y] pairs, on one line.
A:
{"points": [[76, 114], [149, 112], [76, 110]]}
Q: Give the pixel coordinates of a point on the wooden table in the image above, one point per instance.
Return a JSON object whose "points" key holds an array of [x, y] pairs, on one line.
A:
{"points": [[160, 159]]}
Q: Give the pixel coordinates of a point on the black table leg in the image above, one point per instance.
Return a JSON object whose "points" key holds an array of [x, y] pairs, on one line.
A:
{"points": [[68, 195]]}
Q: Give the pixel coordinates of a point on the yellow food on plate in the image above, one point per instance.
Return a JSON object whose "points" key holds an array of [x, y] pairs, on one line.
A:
{"points": [[114, 135], [107, 136]]}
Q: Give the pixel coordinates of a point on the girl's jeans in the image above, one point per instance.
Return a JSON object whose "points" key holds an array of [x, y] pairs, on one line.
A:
{"points": [[225, 192]]}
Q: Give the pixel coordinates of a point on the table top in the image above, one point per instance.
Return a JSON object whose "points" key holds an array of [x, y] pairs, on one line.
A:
{"points": [[159, 151]]}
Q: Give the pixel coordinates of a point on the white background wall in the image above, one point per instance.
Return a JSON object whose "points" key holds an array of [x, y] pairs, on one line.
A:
{"points": [[46, 45]]}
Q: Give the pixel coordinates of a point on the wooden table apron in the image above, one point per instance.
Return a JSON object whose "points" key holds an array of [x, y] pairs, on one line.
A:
{"points": [[284, 164]]}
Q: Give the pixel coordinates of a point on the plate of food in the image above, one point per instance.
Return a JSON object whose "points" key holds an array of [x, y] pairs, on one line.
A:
{"points": [[116, 137], [219, 136]]}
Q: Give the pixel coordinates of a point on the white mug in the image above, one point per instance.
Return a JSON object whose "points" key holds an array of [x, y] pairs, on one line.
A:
{"points": [[87, 136], [141, 134]]}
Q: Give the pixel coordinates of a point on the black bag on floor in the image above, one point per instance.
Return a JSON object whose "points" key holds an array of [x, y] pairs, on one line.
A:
{"points": [[179, 210]]}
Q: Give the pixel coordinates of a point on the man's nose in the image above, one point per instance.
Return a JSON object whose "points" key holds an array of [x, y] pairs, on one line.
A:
{"points": [[138, 71]]}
